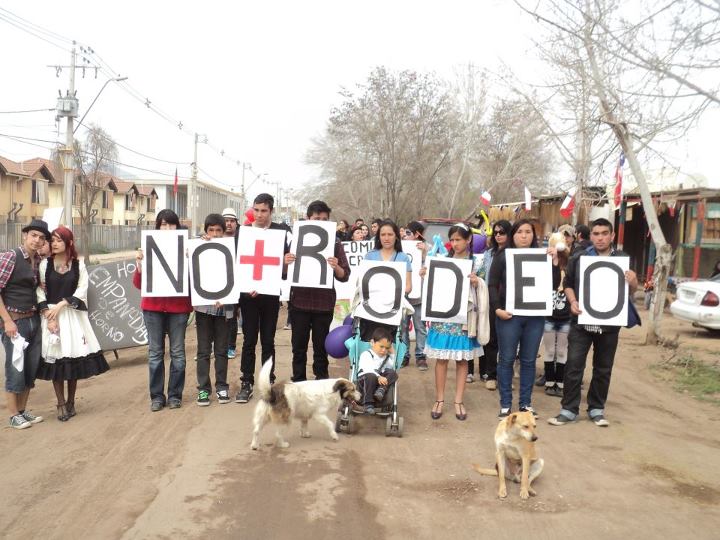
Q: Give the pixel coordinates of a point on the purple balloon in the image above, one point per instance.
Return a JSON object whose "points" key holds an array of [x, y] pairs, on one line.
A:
{"points": [[348, 320], [479, 243], [335, 341]]}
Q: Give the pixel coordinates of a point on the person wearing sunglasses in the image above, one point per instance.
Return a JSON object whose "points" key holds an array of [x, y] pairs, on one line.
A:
{"points": [[488, 362]]}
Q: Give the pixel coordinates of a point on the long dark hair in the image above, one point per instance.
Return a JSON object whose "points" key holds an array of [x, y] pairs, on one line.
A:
{"points": [[168, 216], [505, 225], [396, 230], [514, 229]]}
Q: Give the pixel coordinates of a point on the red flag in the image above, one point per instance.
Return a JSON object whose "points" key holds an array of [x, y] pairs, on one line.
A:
{"points": [[618, 180], [486, 198], [568, 205], [175, 185]]}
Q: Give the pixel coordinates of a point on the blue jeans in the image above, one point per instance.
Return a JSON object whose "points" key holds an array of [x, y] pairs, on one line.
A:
{"points": [[158, 324], [525, 332], [19, 381], [420, 333]]}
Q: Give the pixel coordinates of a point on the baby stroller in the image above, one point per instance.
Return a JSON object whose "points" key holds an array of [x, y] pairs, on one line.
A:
{"points": [[388, 408]]}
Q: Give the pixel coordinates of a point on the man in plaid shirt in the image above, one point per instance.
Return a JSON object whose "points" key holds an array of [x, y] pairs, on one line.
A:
{"points": [[312, 309], [18, 309]]}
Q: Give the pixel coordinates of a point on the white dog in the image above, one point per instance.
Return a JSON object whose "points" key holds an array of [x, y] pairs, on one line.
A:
{"points": [[283, 401]]}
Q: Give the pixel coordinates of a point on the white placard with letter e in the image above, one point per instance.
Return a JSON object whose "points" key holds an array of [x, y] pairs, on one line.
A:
{"points": [[529, 286]]}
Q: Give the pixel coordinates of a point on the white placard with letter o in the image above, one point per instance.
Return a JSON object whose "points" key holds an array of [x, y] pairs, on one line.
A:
{"points": [[603, 292], [212, 272], [382, 288]]}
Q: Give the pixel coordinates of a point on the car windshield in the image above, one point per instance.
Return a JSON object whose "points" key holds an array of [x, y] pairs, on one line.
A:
{"points": [[716, 277]]}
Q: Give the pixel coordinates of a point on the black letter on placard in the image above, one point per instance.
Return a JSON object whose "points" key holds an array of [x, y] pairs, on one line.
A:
{"points": [[311, 251], [586, 290], [153, 249], [455, 309], [522, 282], [229, 270], [366, 290]]}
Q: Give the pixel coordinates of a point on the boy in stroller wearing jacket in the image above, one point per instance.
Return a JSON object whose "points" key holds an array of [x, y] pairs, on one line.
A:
{"points": [[375, 373]]}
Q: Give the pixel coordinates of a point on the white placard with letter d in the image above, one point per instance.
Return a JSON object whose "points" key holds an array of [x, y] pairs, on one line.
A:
{"points": [[603, 293], [447, 286], [529, 286]]}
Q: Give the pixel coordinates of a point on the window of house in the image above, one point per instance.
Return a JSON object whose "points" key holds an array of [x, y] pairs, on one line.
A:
{"points": [[106, 199], [129, 202], [39, 192]]}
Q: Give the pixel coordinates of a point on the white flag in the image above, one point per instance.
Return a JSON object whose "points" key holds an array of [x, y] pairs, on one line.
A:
{"points": [[528, 199]]}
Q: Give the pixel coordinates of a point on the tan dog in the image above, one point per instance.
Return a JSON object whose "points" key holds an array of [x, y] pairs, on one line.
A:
{"points": [[516, 458]]}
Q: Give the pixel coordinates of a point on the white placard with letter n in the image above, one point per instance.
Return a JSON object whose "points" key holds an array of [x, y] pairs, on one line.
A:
{"points": [[313, 242], [212, 272], [529, 286], [165, 263], [260, 257], [603, 293], [447, 286], [382, 288]]}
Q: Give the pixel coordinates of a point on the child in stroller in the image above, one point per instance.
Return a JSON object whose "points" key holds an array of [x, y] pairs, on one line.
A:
{"points": [[375, 369]]}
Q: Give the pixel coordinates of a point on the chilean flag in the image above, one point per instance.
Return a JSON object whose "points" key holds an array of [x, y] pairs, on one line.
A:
{"points": [[618, 180], [568, 205], [175, 185], [485, 198]]}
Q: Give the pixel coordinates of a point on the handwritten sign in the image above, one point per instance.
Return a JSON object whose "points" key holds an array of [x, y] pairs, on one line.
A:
{"points": [[114, 306], [355, 253]]}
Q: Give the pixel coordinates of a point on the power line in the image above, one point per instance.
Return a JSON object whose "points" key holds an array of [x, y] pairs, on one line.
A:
{"points": [[31, 32], [27, 111]]}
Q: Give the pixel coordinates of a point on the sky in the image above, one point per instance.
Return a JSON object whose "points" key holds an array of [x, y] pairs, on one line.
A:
{"points": [[258, 79]]}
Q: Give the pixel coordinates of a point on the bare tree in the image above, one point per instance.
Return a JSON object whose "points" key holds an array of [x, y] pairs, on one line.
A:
{"points": [[645, 66], [95, 159]]}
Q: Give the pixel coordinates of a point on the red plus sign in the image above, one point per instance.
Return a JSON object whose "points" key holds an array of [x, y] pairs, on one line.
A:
{"points": [[258, 260]]}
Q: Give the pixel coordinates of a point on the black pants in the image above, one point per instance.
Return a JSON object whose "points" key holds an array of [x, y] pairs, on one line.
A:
{"points": [[259, 315], [488, 361], [604, 346], [303, 322], [368, 383], [211, 335], [232, 332]]}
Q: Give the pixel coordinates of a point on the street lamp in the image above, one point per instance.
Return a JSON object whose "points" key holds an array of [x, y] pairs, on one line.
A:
{"points": [[117, 79]]}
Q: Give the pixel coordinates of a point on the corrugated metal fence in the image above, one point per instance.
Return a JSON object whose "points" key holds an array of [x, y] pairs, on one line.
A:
{"points": [[103, 238]]}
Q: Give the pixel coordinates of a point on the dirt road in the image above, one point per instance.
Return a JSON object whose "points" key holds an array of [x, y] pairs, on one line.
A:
{"points": [[119, 471]]}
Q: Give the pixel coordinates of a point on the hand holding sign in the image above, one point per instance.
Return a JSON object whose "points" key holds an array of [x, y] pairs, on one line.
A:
{"points": [[313, 244], [529, 285], [603, 294]]}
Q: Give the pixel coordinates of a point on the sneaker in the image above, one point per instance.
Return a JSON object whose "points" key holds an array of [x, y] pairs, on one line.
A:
{"points": [[30, 417], [156, 406], [379, 393], [369, 409], [203, 399], [405, 362], [599, 420], [223, 396], [504, 412], [561, 420], [18, 422], [491, 384], [540, 381], [245, 393], [528, 408], [422, 364], [470, 378], [231, 353], [554, 390], [174, 404]]}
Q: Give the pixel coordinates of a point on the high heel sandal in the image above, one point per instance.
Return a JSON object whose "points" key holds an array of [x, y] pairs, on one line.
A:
{"points": [[70, 408], [461, 415], [436, 414], [62, 414]]}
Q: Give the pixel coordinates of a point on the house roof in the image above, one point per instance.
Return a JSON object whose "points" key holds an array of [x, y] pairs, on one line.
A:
{"points": [[125, 187], [8, 166], [147, 191], [46, 167]]}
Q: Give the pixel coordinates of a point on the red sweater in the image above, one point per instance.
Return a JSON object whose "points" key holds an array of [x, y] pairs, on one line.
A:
{"points": [[164, 304]]}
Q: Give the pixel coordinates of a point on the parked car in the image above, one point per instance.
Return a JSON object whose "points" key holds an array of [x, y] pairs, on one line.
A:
{"points": [[699, 303], [440, 226]]}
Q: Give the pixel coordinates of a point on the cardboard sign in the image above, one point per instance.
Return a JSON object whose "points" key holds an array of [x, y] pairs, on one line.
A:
{"points": [[313, 243], [53, 217], [410, 249], [212, 272], [382, 288], [447, 287], [164, 263], [603, 294], [529, 286], [355, 253], [260, 254], [114, 306]]}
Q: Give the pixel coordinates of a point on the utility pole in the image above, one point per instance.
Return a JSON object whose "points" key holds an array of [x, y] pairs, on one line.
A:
{"points": [[192, 203], [245, 167], [67, 107]]}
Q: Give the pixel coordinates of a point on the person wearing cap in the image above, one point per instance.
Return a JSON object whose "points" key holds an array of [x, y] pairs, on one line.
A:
{"points": [[415, 231], [231, 225], [19, 279]]}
